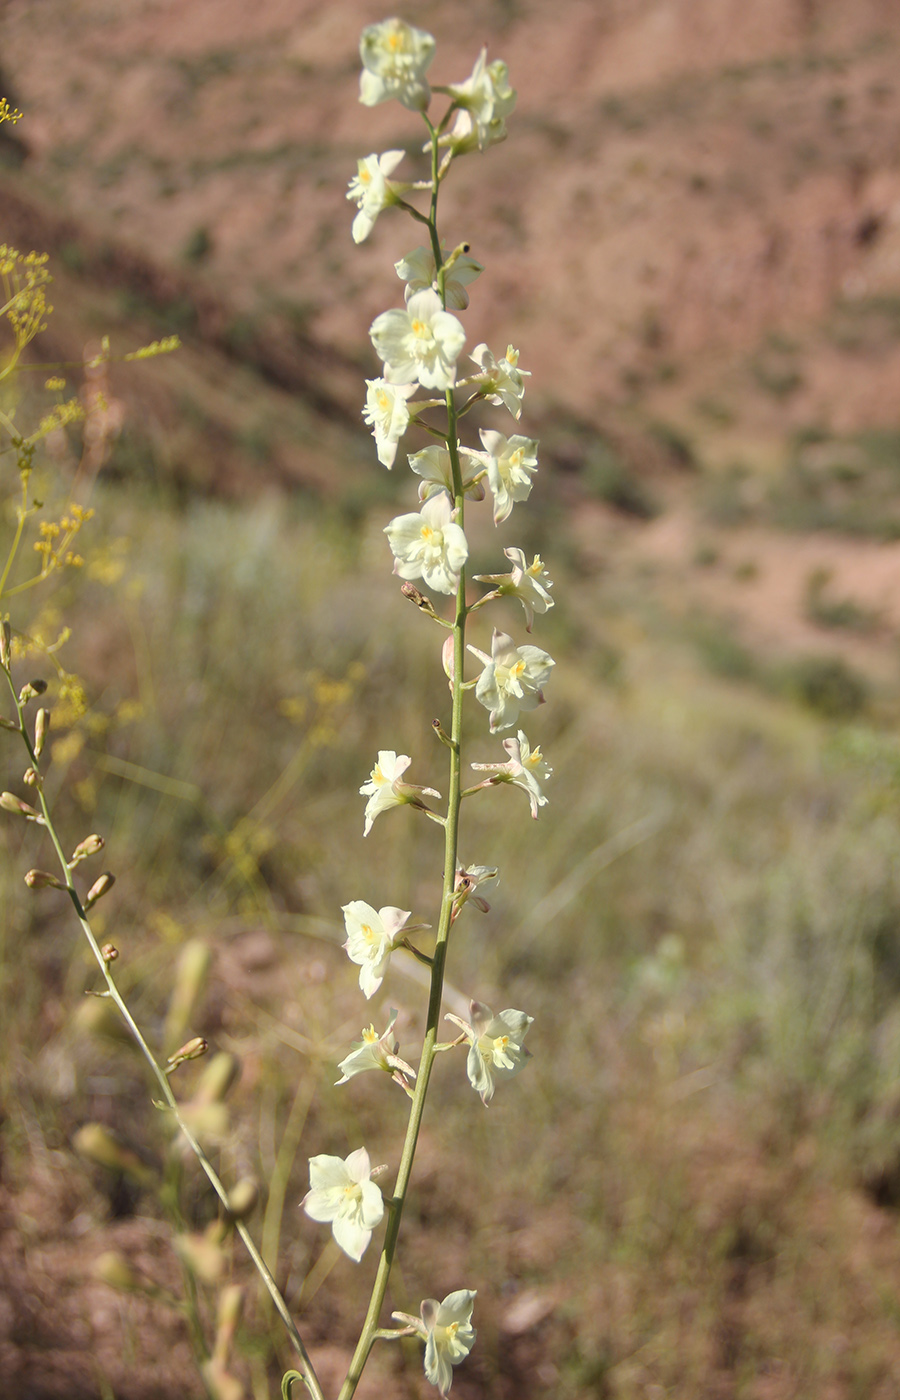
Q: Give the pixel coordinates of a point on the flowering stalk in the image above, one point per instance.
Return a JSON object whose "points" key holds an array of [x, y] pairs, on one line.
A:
{"points": [[420, 347], [104, 957], [451, 847]]}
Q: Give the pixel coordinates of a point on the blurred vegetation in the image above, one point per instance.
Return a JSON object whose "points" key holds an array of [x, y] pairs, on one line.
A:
{"points": [[703, 924]]}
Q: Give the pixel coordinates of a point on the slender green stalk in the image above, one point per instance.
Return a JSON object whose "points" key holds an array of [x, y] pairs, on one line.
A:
{"points": [[308, 1374], [370, 1330]]}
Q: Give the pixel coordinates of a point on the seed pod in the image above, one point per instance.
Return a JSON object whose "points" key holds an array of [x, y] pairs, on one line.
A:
{"points": [[5, 640]]}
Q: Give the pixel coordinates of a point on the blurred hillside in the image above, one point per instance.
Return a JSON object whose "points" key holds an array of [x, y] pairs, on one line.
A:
{"points": [[694, 238]]}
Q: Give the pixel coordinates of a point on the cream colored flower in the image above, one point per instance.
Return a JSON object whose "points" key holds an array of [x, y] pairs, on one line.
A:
{"points": [[527, 582], [371, 934], [395, 58], [495, 1046], [372, 190], [447, 1331], [511, 462], [526, 769], [376, 1051], [428, 544], [387, 414], [386, 789], [502, 382], [419, 272], [486, 100], [422, 342], [343, 1195], [511, 680]]}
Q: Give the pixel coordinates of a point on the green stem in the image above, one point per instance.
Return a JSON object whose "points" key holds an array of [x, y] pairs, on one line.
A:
{"points": [[370, 1329], [309, 1375], [17, 538]]}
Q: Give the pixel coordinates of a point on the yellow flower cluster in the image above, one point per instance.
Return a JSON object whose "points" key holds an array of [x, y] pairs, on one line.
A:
{"points": [[23, 277], [53, 546]]}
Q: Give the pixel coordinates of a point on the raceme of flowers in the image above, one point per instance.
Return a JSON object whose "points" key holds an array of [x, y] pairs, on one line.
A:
{"points": [[425, 386]]}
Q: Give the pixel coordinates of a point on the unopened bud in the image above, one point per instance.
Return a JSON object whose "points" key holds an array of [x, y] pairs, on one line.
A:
{"points": [[41, 725], [88, 847], [202, 1254], [410, 591], [99, 888], [442, 733], [97, 1016], [231, 1305], [97, 1144], [112, 1268], [31, 690], [8, 724], [242, 1199], [10, 803], [5, 640], [191, 1051], [42, 880], [190, 979], [109, 952], [448, 658], [31, 777], [218, 1077], [458, 252]]}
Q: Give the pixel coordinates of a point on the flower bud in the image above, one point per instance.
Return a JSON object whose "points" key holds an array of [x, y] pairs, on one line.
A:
{"points": [[31, 777], [441, 733], [8, 724], [188, 987], [5, 640], [97, 1016], [42, 880], [31, 690], [41, 725], [231, 1305], [218, 1077], [112, 1268], [109, 952], [242, 1199], [412, 593], [88, 847], [10, 803], [202, 1254], [190, 1051], [99, 888], [448, 659], [98, 1145]]}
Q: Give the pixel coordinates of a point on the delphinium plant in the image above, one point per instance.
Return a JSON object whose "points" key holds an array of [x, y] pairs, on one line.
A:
{"points": [[428, 383]]}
